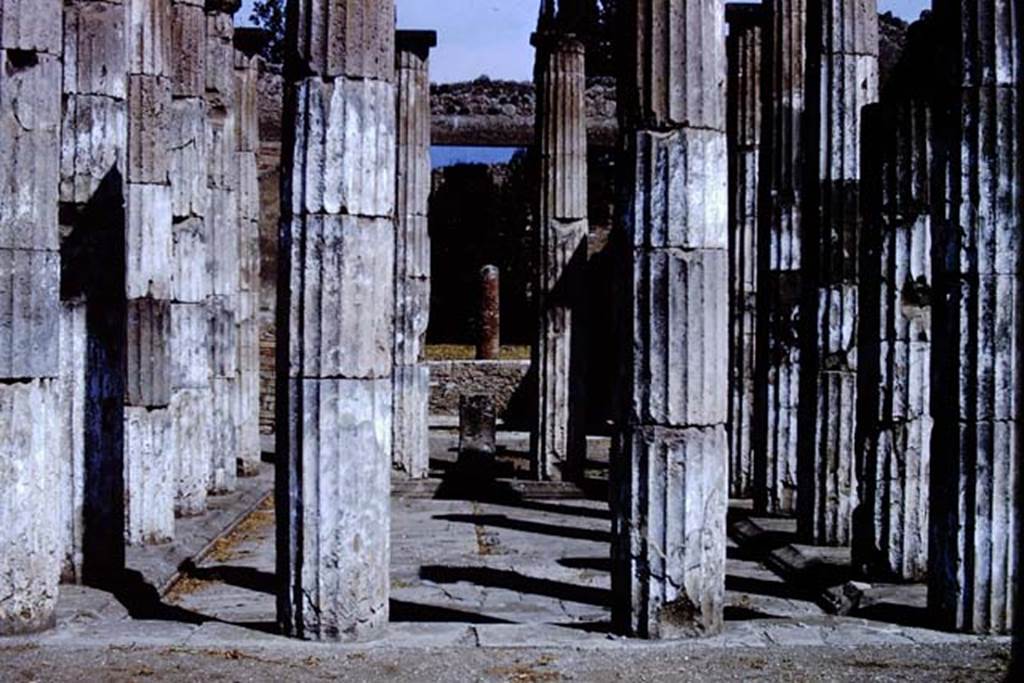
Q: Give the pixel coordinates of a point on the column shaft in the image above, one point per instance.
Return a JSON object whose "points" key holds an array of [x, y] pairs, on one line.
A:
{"points": [[559, 434], [335, 327], [30, 396], [777, 361], [411, 447], [842, 77], [744, 49], [669, 492], [975, 493]]}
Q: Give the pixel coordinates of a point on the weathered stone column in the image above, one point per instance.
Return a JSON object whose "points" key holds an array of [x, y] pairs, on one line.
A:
{"points": [[894, 424], [335, 326], [777, 353], [223, 227], [558, 438], [150, 463], [248, 195], [191, 387], [669, 492], [976, 464], [410, 445], [744, 45], [30, 113], [488, 343], [94, 145], [842, 77]]}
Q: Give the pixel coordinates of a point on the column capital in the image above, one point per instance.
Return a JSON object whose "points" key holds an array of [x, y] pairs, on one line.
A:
{"points": [[418, 42]]}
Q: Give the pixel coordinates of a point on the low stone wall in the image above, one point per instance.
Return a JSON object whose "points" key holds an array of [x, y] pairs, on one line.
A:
{"points": [[506, 381]]}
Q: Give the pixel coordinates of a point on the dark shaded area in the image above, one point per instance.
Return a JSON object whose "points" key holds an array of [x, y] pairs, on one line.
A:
{"points": [[594, 564], [242, 577], [510, 580], [411, 612], [503, 522], [93, 276]]}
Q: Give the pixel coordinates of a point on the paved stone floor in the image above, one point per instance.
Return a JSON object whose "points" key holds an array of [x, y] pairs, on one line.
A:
{"points": [[514, 591]]}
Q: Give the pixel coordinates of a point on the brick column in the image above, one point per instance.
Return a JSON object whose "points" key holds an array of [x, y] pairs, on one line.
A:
{"points": [[30, 419], [669, 492], [410, 446], [335, 320]]}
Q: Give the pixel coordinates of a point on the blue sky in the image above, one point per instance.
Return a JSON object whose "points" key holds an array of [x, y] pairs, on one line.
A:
{"points": [[493, 36]]}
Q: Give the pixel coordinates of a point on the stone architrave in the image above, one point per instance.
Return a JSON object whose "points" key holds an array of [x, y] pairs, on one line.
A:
{"points": [[976, 463], [336, 301], [744, 50], [842, 57], [558, 440], [669, 477], [410, 443], [30, 312], [777, 352]]}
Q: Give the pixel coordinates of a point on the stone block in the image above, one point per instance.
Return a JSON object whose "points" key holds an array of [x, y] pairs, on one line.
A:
{"points": [[222, 166], [149, 243], [71, 464], [680, 330], [31, 25], [191, 412], [411, 439], [683, 201], [248, 190], [220, 55], [413, 246], [412, 315], [150, 481], [30, 119], [351, 38], [345, 154], [149, 366], [192, 281], [29, 313], [344, 297], [187, 164], [188, 50], [224, 435], [222, 336], [149, 37], [149, 120], [93, 145], [190, 347], [95, 44], [344, 428], [477, 425], [30, 565]]}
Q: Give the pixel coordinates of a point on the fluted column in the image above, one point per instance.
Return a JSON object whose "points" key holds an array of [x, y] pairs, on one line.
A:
{"points": [[842, 77], [30, 114], [777, 353], [975, 494], [93, 146], [410, 446], [335, 327], [248, 196], [558, 438], [191, 379], [669, 492], [744, 49], [894, 424], [150, 465], [223, 227]]}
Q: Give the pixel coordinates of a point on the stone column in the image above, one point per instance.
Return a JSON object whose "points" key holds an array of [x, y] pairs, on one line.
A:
{"points": [[223, 226], [30, 113], [248, 195], [976, 488], [777, 353], [410, 445], [150, 465], [558, 438], [842, 77], [488, 343], [669, 492], [191, 386], [894, 424], [335, 329], [94, 145], [744, 45]]}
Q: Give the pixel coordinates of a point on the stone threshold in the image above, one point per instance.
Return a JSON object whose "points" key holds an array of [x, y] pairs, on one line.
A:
{"points": [[824, 574], [161, 566]]}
